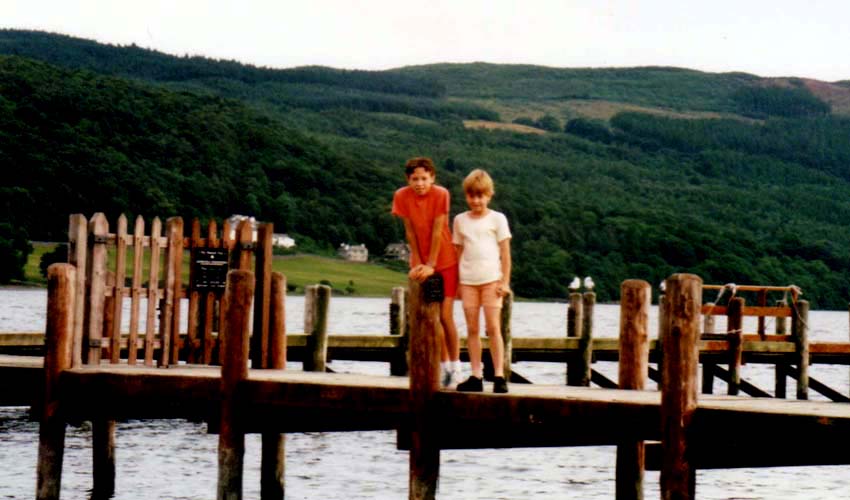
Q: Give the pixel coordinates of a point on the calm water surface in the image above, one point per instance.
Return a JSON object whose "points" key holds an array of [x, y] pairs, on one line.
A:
{"points": [[168, 459]]}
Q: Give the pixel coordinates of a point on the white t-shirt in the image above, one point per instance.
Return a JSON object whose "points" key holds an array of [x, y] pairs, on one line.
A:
{"points": [[480, 262]]}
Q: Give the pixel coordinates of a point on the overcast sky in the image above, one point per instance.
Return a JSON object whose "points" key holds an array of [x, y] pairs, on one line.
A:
{"points": [[805, 38]]}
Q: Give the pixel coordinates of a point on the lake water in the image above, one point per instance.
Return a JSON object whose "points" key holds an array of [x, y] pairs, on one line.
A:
{"points": [[168, 459]]}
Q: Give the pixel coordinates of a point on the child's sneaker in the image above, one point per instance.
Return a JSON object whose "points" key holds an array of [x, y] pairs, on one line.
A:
{"points": [[445, 378], [454, 377], [472, 384], [500, 385]]}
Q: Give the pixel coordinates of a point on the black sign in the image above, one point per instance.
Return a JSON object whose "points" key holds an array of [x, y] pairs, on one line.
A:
{"points": [[209, 269]]}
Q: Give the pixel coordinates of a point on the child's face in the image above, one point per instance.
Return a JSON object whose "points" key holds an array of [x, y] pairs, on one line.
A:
{"points": [[420, 181], [478, 202]]}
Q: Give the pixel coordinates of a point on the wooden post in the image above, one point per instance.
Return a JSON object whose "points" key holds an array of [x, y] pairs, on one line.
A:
{"points": [[193, 319], [317, 341], [77, 252], [679, 395], [633, 369], [169, 324], [118, 288], [574, 324], [262, 300], [781, 326], [103, 458], [425, 332], [234, 369], [273, 461], [59, 356], [505, 319], [580, 368], [799, 330], [735, 322], [659, 345], [762, 302], [398, 327], [153, 289], [136, 292], [708, 324], [96, 277]]}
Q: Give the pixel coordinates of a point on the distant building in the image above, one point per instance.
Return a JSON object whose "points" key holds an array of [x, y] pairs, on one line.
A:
{"points": [[354, 253], [398, 251], [281, 240]]}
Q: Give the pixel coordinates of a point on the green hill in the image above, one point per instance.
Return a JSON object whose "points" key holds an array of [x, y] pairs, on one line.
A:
{"points": [[645, 171]]}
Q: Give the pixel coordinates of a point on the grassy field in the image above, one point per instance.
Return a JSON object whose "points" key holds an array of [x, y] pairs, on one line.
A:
{"points": [[348, 278]]}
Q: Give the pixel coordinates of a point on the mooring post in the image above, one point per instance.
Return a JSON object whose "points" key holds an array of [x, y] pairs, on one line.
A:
{"points": [[580, 368], [799, 330], [59, 355], [505, 322], [575, 321], [398, 327], [273, 461], [234, 369], [316, 358], [707, 367], [735, 323], [425, 335], [635, 298], [679, 393], [659, 344]]}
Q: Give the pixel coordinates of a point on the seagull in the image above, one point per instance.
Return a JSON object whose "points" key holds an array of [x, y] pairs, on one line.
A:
{"points": [[575, 284], [663, 286], [588, 283]]}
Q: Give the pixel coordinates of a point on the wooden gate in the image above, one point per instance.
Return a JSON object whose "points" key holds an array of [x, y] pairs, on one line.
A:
{"points": [[148, 269]]}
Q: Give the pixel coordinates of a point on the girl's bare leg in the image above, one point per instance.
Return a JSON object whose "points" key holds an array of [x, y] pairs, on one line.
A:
{"points": [[492, 323], [473, 340]]}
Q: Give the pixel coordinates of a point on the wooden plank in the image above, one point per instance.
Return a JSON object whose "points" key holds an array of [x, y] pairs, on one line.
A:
{"points": [[776, 312], [118, 301], [78, 257], [208, 343], [170, 306], [799, 331], [153, 289], [136, 291], [227, 241], [96, 277], [736, 354]]}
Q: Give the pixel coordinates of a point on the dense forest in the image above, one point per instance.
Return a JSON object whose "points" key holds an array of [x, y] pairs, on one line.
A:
{"points": [[642, 172]]}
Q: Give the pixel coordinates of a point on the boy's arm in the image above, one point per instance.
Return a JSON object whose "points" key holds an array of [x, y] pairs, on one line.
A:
{"points": [[415, 258], [436, 240], [505, 257]]}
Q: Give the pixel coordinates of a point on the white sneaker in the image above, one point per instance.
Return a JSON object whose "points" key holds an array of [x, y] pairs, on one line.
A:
{"points": [[454, 378]]}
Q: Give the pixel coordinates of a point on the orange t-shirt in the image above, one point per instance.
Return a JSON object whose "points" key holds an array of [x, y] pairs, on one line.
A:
{"points": [[421, 212]]}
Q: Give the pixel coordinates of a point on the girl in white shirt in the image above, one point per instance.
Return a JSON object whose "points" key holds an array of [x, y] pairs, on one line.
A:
{"points": [[482, 239]]}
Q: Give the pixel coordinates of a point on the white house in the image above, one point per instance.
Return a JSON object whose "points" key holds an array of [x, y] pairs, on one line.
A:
{"points": [[399, 251], [282, 240], [354, 253]]}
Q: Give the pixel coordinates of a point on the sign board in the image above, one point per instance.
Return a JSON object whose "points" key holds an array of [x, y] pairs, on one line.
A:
{"points": [[209, 269]]}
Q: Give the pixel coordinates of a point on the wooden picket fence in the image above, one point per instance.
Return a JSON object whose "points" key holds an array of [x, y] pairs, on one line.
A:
{"points": [[104, 283]]}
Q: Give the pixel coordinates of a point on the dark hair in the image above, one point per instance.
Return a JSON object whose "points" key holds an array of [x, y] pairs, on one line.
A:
{"points": [[419, 162]]}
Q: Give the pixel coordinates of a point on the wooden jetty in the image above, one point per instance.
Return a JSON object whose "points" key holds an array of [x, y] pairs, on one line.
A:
{"points": [[229, 373]]}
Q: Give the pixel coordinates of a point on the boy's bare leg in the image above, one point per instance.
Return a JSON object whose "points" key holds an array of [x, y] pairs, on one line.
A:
{"points": [[492, 323], [452, 343], [473, 340]]}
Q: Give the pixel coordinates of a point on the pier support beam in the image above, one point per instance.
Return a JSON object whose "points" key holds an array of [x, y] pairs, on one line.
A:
{"points": [[679, 381], [425, 335], [59, 340], [575, 321], [735, 325], [635, 298], [507, 340], [234, 369], [316, 302], [799, 330], [398, 327], [273, 460]]}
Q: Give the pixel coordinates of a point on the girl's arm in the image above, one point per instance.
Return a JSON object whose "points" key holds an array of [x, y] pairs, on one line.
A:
{"points": [[505, 257]]}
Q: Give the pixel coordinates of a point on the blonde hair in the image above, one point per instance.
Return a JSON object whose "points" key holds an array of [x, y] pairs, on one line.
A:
{"points": [[478, 182]]}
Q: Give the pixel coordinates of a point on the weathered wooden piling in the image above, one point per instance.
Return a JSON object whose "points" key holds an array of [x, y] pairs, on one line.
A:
{"points": [[575, 321], [273, 461], [580, 368], [635, 298], [59, 356], [659, 349], [679, 375], [507, 340], [735, 323], [799, 330], [234, 369], [398, 327], [316, 312], [425, 335]]}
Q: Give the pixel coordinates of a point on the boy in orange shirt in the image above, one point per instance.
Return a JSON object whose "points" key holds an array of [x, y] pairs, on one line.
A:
{"points": [[424, 208]]}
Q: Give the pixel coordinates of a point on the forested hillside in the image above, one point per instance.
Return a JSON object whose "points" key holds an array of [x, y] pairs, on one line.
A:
{"points": [[643, 172]]}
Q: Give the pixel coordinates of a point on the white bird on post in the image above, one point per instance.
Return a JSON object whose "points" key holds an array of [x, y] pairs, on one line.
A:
{"points": [[588, 283], [575, 284]]}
